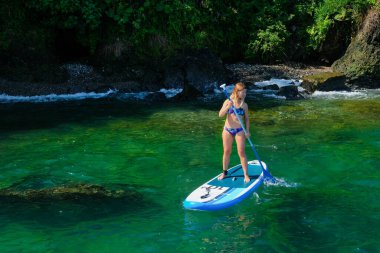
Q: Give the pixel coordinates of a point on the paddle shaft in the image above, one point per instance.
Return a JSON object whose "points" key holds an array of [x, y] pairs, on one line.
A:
{"points": [[266, 172]]}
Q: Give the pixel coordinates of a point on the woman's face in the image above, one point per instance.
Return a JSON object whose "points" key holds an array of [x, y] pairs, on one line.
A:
{"points": [[241, 92]]}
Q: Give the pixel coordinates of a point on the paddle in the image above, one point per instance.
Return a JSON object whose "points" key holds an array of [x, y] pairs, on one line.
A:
{"points": [[267, 175]]}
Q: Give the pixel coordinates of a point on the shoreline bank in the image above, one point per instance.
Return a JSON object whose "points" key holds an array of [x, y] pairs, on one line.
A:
{"points": [[248, 73]]}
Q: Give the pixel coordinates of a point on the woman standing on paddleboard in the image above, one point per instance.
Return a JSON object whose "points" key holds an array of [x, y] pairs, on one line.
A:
{"points": [[233, 130]]}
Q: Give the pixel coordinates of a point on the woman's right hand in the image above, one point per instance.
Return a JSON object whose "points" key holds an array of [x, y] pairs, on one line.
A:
{"points": [[228, 104]]}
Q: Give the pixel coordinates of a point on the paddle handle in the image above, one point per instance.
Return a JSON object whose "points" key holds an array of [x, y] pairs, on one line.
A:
{"points": [[266, 172]]}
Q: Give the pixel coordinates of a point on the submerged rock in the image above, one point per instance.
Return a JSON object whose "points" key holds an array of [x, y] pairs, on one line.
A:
{"points": [[327, 81], [42, 201], [65, 192]]}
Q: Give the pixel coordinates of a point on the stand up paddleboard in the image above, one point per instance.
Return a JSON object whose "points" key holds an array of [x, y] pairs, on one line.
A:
{"points": [[218, 194]]}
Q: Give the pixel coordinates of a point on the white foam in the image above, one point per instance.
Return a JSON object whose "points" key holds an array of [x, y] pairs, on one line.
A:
{"points": [[4, 98], [281, 183], [356, 94], [134, 95], [53, 97], [279, 82], [169, 93]]}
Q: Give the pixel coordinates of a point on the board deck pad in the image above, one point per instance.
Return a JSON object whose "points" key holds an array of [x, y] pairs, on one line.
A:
{"points": [[235, 177], [218, 194]]}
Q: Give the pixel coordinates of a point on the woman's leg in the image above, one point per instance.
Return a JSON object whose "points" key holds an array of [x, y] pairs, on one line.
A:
{"points": [[240, 143], [227, 148]]}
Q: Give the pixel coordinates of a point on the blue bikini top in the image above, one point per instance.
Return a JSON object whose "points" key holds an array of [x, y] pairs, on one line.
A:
{"points": [[239, 111]]}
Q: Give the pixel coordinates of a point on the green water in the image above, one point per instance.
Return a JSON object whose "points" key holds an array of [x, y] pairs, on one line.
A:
{"points": [[326, 152]]}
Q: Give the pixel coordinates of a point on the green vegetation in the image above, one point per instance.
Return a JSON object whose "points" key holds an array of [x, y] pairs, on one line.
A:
{"points": [[257, 30], [332, 11]]}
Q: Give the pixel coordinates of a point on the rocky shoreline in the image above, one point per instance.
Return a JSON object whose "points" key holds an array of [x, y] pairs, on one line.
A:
{"points": [[83, 78], [249, 73]]}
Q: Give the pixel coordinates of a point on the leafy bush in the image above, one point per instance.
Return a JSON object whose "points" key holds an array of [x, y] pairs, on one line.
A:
{"points": [[331, 11], [269, 44]]}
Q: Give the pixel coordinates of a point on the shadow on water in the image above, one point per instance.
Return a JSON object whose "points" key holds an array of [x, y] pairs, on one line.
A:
{"points": [[51, 204], [310, 220], [31, 116], [34, 116]]}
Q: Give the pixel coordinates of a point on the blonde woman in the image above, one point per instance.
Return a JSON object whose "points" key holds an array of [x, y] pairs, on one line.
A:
{"points": [[233, 130]]}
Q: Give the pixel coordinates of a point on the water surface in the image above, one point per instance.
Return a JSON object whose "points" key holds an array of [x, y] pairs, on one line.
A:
{"points": [[325, 150]]}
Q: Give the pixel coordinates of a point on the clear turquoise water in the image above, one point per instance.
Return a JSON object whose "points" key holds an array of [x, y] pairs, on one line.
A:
{"points": [[326, 152]]}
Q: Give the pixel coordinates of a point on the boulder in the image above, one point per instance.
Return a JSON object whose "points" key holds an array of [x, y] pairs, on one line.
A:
{"points": [[361, 62], [290, 92], [271, 87], [189, 92], [200, 69], [327, 81], [156, 97], [127, 87]]}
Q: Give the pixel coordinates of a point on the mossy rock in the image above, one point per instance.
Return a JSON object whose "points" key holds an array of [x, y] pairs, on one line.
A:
{"points": [[361, 62], [326, 81], [65, 192]]}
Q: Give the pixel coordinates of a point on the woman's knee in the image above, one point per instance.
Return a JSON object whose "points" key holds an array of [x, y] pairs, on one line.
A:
{"points": [[241, 153], [227, 151]]}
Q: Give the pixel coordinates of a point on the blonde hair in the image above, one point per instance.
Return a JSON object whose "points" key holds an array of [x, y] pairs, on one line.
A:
{"points": [[235, 92]]}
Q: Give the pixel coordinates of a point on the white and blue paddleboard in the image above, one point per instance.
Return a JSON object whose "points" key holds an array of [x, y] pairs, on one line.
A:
{"points": [[218, 194]]}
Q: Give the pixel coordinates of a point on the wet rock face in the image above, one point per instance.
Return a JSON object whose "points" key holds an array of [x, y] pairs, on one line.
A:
{"points": [[328, 81], [361, 62]]}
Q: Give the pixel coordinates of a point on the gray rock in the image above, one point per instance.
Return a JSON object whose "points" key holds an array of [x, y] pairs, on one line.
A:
{"points": [[290, 92], [271, 87]]}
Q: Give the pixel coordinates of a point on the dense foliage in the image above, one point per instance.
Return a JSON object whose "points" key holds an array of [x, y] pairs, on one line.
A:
{"points": [[258, 30]]}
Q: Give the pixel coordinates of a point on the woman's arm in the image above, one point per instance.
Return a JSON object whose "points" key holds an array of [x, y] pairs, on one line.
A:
{"points": [[225, 107]]}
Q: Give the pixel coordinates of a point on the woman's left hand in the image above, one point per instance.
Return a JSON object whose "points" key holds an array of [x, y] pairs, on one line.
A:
{"points": [[247, 135]]}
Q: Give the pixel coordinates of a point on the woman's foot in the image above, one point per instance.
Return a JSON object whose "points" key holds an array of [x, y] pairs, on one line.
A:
{"points": [[246, 179], [224, 174]]}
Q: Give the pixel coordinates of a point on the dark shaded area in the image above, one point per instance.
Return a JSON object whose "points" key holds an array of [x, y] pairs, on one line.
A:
{"points": [[62, 205], [337, 40], [32, 116], [67, 47], [297, 223], [29, 116]]}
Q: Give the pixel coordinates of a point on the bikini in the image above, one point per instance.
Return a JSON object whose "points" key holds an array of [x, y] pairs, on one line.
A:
{"points": [[234, 131]]}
